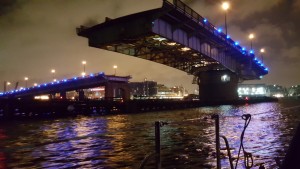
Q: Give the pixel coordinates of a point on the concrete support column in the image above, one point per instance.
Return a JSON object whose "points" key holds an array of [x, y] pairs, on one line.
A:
{"points": [[218, 86], [81, 94], [63, 95], [120, 90]]}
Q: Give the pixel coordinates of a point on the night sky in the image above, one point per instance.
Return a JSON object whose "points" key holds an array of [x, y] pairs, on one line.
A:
{"points": [[39, 35]]}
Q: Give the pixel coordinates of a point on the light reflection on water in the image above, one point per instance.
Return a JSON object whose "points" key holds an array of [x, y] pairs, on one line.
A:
{"points": [[122, 141]]}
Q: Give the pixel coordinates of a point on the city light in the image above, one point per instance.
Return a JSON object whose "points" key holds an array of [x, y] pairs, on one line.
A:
{"points": [[185, 49], [225, 6], [262, 51], [83, 63], [251, 36], [115, 68], [26, 79], [53, 72]]}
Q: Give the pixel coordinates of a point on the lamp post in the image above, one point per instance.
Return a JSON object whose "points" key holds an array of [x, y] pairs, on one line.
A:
{"points": [[251, 36], [115, 67], [26, 79], [53, 72], [262, 51], [6, 84], [225, 6], [83, 63]]}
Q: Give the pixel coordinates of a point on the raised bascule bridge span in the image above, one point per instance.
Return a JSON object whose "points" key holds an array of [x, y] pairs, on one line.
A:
{"points": [[176, 36]]}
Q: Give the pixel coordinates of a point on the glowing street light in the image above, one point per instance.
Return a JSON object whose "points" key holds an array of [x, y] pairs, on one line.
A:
{"points": [[83, 63], [6, 84], [225, 6], [251, 36], [53, 72], [26, 79], [262, 51], [83, 74], [115, 67]]}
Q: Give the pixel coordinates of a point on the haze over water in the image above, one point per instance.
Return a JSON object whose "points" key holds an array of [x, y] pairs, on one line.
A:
{"points": [[122, 141]]}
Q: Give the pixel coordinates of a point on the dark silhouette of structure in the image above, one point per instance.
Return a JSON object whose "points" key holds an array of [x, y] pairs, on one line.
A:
{"points": [[176, 36]]}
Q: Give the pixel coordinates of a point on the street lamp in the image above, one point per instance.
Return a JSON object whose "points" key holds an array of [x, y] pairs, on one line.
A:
{"points": [[26, 79], [6, 84], [225, 6], [83, 74], [262, 51], [251, 36], [83, 63], [115, 67], [53, 72]]}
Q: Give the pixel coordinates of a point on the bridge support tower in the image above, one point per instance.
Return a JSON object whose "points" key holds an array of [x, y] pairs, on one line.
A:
{"points": [[218, 86], [117, 90]]}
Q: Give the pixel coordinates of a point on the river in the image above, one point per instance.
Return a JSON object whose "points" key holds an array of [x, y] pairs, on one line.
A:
{"points": [[122, 141]]}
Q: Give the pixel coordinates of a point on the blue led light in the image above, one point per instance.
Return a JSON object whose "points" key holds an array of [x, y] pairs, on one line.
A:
{"points": [[260, 77], [262, 65], [75, 78], [52, 83], [258, 62], [227, 36], [39, 86], [255, 58], [266, 69], [243, 48], [236, 43], [220, 30], [65, 80], [204, 20], [45, 84], [251, 51], [92, 74]]}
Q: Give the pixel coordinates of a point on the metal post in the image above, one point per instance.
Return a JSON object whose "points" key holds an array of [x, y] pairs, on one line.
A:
{"points": [[217, 130], [157, 145], [4, 86], [226, 24]]}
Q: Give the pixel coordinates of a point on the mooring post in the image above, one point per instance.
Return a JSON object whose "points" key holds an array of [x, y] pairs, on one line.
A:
{"points": [[157, 145], [217, 130]]}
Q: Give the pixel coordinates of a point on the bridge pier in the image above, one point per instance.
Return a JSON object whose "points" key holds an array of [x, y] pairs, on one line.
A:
{"points": [[81, 95], [218, 86], [63, 95], [117, 90]]}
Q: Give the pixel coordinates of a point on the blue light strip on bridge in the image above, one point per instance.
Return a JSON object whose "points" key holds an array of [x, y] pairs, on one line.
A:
{"points": [[49, 84], [233, 43]]}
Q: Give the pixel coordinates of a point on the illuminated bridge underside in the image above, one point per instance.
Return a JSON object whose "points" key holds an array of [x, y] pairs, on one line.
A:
{"points": [[175, 36], [77, 83]]}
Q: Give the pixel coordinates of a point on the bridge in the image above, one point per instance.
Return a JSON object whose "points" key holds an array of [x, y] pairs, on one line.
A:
{"points": [[112, 84], [176, 36]]}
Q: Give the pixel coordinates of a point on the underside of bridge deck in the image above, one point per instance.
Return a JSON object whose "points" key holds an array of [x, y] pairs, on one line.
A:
{"points": [[177, 36]]}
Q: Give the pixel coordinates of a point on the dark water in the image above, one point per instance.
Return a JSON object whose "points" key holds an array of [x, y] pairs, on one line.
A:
{"points": [[122, 141]]}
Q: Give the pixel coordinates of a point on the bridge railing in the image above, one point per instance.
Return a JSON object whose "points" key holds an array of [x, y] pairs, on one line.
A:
{"points": [[182, 7]]}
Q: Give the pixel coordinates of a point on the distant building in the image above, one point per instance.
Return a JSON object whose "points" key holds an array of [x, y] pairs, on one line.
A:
{"points": [[145, 88], [150, 89], [294, 91], [259, 90], [276, 91], [252, 90]]}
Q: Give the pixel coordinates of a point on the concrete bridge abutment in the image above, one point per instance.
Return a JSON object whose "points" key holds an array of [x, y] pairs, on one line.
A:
{"points": [[218, 86]]}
